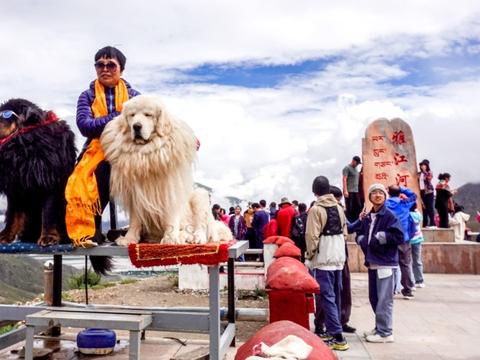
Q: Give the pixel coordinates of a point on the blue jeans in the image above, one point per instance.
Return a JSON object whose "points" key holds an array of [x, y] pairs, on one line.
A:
{"points": [[417, 265], [329, 299], [380, 293]]}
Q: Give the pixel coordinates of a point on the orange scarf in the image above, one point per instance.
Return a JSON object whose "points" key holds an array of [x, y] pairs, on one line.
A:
{"points": [[81, 193]]}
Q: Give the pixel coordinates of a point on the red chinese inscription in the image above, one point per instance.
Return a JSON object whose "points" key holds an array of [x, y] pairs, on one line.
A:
{"points": [[398, 137], [402, 179], [398, 158]]}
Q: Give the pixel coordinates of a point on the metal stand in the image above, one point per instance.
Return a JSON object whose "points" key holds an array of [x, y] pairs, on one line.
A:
{"points": [[163, 319]]}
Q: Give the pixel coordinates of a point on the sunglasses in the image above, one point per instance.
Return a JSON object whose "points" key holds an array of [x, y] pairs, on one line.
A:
{"points": [[7, 114], [111, 66]]}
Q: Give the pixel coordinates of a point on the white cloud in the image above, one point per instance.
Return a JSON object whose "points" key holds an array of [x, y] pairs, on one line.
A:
{"points": [[265, 142]]}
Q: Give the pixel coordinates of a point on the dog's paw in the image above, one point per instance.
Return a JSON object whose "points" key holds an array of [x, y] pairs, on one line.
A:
{"points": [[50, 238], [125, 241], [200, 237], [172, 237], [6, 237], [184, 237], [170, 240]]}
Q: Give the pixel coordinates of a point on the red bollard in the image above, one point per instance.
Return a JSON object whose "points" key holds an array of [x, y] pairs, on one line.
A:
{"points": [[290, 290]]}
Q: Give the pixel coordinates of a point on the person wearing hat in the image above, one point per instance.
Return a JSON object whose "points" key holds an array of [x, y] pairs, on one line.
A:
{"points": [[350, 180], [325, 239], [425, 177], [379, 235], [285, 216]]}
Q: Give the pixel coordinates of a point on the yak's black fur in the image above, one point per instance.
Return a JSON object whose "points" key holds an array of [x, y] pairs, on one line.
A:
{"points": [[34, 169]]}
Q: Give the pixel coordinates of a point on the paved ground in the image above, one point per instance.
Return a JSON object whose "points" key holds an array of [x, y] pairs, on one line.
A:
{"points": [[442, 322]]}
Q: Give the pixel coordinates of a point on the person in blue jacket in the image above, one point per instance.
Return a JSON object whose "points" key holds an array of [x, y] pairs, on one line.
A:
{"points": [[109, 66], [379, 234], [400, 201]]}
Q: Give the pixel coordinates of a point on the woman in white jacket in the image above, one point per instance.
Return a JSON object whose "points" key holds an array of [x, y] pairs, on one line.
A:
{"points": [[457, 222]]}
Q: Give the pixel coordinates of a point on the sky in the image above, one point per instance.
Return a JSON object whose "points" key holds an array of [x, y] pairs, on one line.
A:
{"points": [[278, 92]]}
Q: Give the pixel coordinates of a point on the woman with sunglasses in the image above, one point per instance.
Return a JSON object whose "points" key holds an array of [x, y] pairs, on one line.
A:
{"points": [[87, 190]]}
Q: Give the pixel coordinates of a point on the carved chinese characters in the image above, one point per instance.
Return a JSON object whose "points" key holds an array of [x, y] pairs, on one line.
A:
{"points": [[389, 155]]}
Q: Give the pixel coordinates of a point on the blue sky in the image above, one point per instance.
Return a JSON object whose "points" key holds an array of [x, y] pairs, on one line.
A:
{"points": [[253, 76], [278, 92], [455, 65]]}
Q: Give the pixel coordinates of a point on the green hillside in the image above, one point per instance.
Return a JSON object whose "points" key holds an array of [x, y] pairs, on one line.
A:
{"points": [[21, 278]]}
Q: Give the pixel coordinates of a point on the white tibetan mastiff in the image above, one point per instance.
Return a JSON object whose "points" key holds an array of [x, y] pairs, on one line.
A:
{"points": [[151, 154]]}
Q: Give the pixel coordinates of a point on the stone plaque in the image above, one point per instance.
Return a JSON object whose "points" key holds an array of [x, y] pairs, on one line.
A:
{"points": [[389, 157]]}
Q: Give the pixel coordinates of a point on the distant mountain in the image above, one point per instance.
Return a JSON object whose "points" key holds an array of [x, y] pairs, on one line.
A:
{"points": [[468, 196]]}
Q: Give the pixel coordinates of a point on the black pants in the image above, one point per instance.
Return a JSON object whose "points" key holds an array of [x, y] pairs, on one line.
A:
{"points": [[300, 243], [102, 175], [354, 206], [346, 296], [442, 210], [405, 261], [429, 213]]}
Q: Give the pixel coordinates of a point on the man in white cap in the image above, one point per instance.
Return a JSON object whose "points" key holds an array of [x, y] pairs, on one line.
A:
{"points": [[379, 235]]}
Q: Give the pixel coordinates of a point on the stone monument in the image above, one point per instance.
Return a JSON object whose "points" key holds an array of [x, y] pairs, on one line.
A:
{"points": [[389, 157]]}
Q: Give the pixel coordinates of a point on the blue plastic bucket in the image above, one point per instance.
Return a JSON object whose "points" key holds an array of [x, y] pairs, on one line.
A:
{"points": [[96, 341]]}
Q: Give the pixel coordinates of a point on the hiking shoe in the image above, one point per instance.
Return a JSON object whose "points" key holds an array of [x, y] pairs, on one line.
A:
{"points": [[377, 338], [371, 332], [348, 329], [337, 344], [325, 336]]}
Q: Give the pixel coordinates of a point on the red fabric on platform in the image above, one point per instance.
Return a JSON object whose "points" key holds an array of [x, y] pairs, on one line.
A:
{"points": [[142, 255]]}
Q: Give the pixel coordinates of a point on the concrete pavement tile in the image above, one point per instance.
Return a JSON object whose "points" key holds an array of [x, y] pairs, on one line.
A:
{"points": [[442, 322]]}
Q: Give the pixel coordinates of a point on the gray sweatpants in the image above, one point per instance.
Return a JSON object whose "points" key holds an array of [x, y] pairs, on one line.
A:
{"points": [[380, 293]]}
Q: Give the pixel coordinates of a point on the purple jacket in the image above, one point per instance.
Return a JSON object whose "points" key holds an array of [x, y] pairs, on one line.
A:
{"points": [[242, 227], [89, 126]]}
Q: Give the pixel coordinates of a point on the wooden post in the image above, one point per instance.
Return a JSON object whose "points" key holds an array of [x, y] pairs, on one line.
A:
{"points": [[48, 283]]}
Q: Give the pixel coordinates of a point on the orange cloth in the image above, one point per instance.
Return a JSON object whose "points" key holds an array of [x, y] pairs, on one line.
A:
{"points": [[81, 193]]}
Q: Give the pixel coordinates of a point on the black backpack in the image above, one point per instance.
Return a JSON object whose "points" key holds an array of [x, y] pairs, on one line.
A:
{"points": [[334, 223], [298, 227]]}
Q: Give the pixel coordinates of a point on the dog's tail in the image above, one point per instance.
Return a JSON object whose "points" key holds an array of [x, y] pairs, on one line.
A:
{"points": [[101, 264]]}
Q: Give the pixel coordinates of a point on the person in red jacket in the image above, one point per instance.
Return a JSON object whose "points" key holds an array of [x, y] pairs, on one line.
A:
{"points": [[285, 217]]}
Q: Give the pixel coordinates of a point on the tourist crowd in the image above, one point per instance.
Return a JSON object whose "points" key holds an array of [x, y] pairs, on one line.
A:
{"points": [[389, 234]]}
